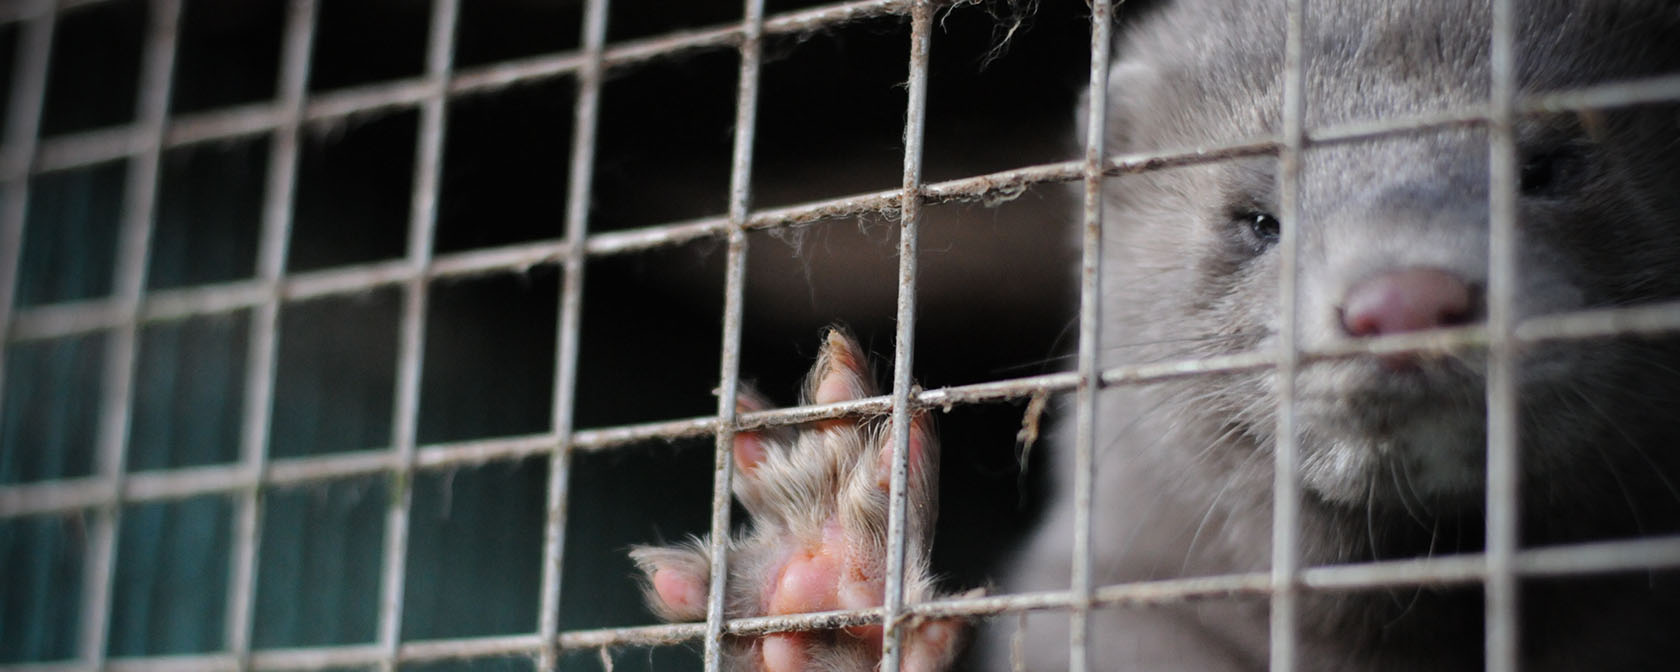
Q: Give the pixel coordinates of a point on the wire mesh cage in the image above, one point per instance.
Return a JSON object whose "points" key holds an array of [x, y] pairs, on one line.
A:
{"points": [[342, 335]]}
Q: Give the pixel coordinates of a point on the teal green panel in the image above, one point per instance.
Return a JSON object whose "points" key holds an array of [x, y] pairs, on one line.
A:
{"points": [[70, 235], [8, 49], [170, 591], [475, 551], [507, 664], [680, 658], [50, 420], [318, 571], [189, 392], [614, 497], [337, 373], [41, 587], [209, 214], [489, 366]]}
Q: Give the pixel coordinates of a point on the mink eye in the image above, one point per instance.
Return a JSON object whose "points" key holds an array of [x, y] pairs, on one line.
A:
{"points": [[1262, 228], [1551, 172]]}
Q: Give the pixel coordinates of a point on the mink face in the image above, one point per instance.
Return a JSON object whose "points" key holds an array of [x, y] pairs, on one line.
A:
{"points": [[1394, 238], [1193, 260]]}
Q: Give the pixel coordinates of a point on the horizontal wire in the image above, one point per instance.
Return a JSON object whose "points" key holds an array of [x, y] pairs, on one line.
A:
{"points": [[69, 318], [108, 144], [1466, 569], [65, 495]]}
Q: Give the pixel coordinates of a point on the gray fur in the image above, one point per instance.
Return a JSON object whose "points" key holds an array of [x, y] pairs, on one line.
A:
{"points": [[1392, 466]]}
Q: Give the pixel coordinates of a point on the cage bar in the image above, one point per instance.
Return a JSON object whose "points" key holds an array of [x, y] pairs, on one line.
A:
{"points": [[23, 122], [587, 109], [1286, 485], [139, 201], [23, 155], [734, 289], [264, 328], [1090, 337], [921, 34], [411, 340], [1500, 587]]}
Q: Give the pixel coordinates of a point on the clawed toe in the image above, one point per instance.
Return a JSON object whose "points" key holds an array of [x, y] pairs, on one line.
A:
{"points": [[817, 498]]}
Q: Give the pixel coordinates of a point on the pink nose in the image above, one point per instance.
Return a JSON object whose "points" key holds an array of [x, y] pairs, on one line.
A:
{"points": [[1404, 300]]}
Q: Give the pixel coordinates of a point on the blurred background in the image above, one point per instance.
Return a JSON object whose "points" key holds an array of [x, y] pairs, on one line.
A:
{"points": [[995, 301]]}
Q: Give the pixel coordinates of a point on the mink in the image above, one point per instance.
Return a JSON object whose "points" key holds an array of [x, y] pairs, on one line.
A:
{"points": [[1394, 238]]}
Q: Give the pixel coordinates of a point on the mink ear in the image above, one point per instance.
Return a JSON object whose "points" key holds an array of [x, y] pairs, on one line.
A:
{"points": [[1129, 82], [841, 373]]}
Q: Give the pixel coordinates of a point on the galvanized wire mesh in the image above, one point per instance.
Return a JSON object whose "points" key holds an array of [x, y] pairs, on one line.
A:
{"points": [[130, 306]]}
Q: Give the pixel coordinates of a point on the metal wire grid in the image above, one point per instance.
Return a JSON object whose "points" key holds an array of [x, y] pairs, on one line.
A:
{"points": [[24, 155], [1090, 322], [1286, 484], [735, 280]]}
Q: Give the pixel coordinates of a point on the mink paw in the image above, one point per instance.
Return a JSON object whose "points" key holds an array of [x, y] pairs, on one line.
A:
{"points": [[817, 496]]}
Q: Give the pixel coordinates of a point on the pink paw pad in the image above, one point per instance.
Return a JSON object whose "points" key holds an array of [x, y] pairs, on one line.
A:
{"points": [[784, 652], [816, 497], [679, 592], [807, 583]]}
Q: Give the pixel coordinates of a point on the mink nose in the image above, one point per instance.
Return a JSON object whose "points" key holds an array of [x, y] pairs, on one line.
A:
{"points": [[1409, 299]]}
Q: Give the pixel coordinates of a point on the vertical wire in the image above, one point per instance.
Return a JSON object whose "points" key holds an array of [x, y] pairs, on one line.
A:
{"points": [[139, 200], [1090, 334], [910, 214], [1502, 637], [1286, 495], [411, 346], [740, 199], [264, 328], [23, 122], [585, 115]]}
